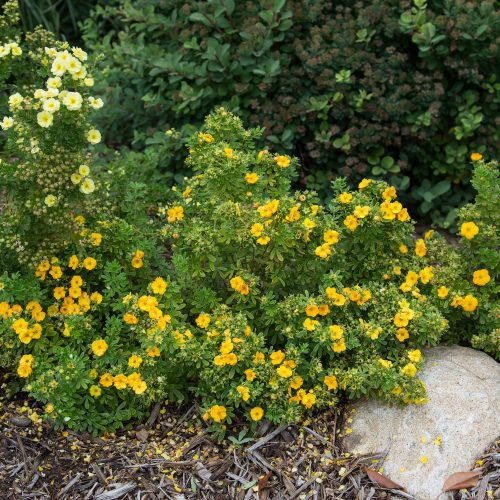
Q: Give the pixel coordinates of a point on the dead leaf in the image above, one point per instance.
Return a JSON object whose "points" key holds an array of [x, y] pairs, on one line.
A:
{"points": [[142, 435], [381, 480], [263, 484], [461, 480]]}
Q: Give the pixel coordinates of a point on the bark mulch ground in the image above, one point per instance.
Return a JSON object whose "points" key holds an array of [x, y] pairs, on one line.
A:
{"points": [[172, 456]]}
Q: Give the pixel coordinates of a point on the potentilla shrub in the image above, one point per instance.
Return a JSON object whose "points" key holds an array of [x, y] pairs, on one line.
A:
{"points": [[46, 175], [395, 90], [291, 302], [466, 284], [267, 305]]}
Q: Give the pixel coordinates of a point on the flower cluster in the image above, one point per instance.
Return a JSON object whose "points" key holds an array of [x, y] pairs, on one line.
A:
{"points": [[48, 132]]}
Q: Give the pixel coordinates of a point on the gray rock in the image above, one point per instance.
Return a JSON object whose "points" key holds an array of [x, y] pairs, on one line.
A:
{"points": [[463, 387]]}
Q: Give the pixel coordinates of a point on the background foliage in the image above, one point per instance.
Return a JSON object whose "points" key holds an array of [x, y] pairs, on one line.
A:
{"points": [[389, 89]]}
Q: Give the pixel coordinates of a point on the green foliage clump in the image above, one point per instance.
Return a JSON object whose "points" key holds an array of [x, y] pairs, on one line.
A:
{"points": [[467, 277], [255, 299], [353, 88]]}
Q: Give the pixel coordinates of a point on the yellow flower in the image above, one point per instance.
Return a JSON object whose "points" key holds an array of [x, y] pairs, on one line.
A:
{"points": [[296, 382], [389, 193], [481, 277], [308, 399], [339, 346], [24, 370], [56, 272], [403, 248], [73, 262], [293, 214], [153, 352], [469, 303], [203, 320], [134, 361], [364, 184], [106, 380], [409, 370], [251, 178], [336, 332], [120, 381], [468, 230], [89, 263], [323, 251], [331, 237], [96, 239], [309, 224], [415, 355], [257, 229], [99, 347], [331, 382], [175, 213], [323, 309], [244, 392], [159, 286], [59, 292], [420, 248], [442, 292], [130, 319], [345, 198], [351, 222], [238, 284], [284, 371], [218, 413], [277, 357], [256, 413], [424, 459], [385, 363], [229, 152], [250, 374], [208, 138], [312, 310], [361, 212], [282, 161], [402, 334], [476, 156], [310, 324], [95, 391]]}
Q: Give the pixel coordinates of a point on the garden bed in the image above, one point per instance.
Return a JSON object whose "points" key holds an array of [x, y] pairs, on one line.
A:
{"points": [[172, 456]]}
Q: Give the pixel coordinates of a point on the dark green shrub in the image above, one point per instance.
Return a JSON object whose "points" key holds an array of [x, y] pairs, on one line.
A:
{"points": [[373, 87]]}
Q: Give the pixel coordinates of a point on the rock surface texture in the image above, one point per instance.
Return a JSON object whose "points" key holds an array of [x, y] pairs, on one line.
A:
{"points": [[463, 387]]}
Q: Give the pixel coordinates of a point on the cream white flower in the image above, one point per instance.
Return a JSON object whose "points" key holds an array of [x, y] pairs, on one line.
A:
{"points": [[7, 122], [80, 75], [78, 52], [73, 65], [52, 93], [44, 119], [96, 103], [76, 178], [73, 101], [89, 81], [94, 136], [15, 100], [87, 186], [84, 170], [50, 200], [16, 50], [54, 82], [4, 50], [58, 67], [40, 94], [51, 105]]}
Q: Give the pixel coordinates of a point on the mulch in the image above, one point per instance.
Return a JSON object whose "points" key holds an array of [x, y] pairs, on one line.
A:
{"points": [[172, 456]]}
